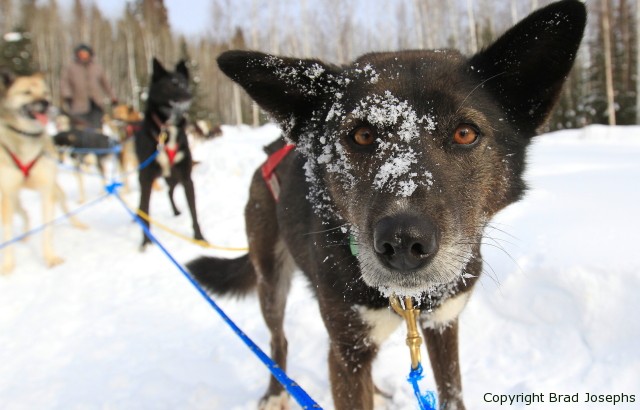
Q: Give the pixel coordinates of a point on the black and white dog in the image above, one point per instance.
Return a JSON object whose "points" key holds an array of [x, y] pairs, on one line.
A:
{"points": [[163, 130]]}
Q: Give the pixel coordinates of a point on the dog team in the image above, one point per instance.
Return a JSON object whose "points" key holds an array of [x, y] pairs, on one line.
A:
{"points": [[29, 156], [397, 160]]}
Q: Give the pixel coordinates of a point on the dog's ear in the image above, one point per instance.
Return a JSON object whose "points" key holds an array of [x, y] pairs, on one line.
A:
{"points": [[181, 68], [158, 70], [526, 67], [288, 89], [7, 77]]}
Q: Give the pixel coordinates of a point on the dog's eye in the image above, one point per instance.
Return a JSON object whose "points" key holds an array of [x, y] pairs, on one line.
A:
{"points": [[465, 135], [363, 136]]}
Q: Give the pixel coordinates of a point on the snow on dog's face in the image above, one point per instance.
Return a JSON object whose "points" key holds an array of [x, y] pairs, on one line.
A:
{"points": [[415, 150], [415, 172]]}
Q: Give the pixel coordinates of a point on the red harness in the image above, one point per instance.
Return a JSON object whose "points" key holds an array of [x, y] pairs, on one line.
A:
{"points": [[24, 168], [171, 153], [269, 168], [131, 128]]}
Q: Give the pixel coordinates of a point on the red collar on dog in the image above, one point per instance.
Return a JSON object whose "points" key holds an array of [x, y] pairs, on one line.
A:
{"points": [[269, 168], [24, 168]]}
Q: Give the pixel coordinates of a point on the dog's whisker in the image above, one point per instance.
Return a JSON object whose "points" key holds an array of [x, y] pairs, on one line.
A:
{"points": [[476, 87], [327, 230], [493, 226]]}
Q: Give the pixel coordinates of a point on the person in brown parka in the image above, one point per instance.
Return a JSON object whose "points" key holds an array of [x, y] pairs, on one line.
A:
{"points": [[83, 87]]}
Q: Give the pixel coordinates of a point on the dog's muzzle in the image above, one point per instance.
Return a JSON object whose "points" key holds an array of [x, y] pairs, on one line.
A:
{"points": [[36, 110], [405, 242], [179, 108]]}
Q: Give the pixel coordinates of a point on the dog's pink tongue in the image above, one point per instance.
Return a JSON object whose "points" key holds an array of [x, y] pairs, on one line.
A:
{"points": [[42, 118]]}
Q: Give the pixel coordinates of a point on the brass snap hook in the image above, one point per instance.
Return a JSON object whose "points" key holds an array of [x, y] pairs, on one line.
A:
{"points": [[410, 315]]}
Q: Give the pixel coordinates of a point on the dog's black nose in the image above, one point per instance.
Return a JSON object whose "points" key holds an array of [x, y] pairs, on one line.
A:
{"points": [[405, 242]]}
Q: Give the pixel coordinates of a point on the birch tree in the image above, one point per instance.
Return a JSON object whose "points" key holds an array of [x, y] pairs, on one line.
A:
{"points": [[608, 65]]}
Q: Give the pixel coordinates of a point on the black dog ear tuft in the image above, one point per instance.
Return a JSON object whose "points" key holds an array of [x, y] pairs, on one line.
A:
{"points": [[7, 77], [181, 68], [526, 67], [288, 89], [158, 70]]}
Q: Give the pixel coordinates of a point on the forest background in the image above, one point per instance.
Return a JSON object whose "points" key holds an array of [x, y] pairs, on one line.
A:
{"points": [[40, 36]]}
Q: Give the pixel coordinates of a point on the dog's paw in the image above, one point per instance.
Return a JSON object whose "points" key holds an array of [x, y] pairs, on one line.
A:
{"points": [[279, 402], [382, 400], [79, 225], [143, 246], [54, 261], [7, 268]]}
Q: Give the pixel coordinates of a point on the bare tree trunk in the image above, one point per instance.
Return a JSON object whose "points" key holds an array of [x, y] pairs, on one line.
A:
{"points": [[625, 29], [274, 34], [608, 66], [473, 38], [131, 68], [7, 18], [237, 105], [431, 24], [306, 38], [637, 62], [419, 23], [455, 38]]}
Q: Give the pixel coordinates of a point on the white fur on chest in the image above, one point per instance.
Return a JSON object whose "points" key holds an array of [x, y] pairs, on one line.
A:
{"points": [[168, 148], [382, 322], [447, 312]]}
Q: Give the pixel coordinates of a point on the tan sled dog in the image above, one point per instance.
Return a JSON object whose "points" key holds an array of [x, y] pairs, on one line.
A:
{"points": [[26, 159]]}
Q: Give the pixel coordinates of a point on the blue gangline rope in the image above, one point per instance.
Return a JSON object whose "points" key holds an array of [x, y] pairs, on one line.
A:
{"points": [[141, 166], [148, 161], [53, 221], [427, 401], [297, 392], [98, 151]]}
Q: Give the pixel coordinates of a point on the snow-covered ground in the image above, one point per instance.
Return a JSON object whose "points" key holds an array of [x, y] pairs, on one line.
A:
{"points": [[113, 328]]}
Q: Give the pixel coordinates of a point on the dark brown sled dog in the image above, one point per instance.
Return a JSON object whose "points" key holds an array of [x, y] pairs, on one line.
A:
{"points": [[411, 153]]}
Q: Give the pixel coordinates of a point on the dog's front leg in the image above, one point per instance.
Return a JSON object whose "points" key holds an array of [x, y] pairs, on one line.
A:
{"points": [[61, 198], [190, 193], [48, 207], [351, 355], [171, 182], [81, 192], [146, 180], [442, 345], [8, 260]]}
